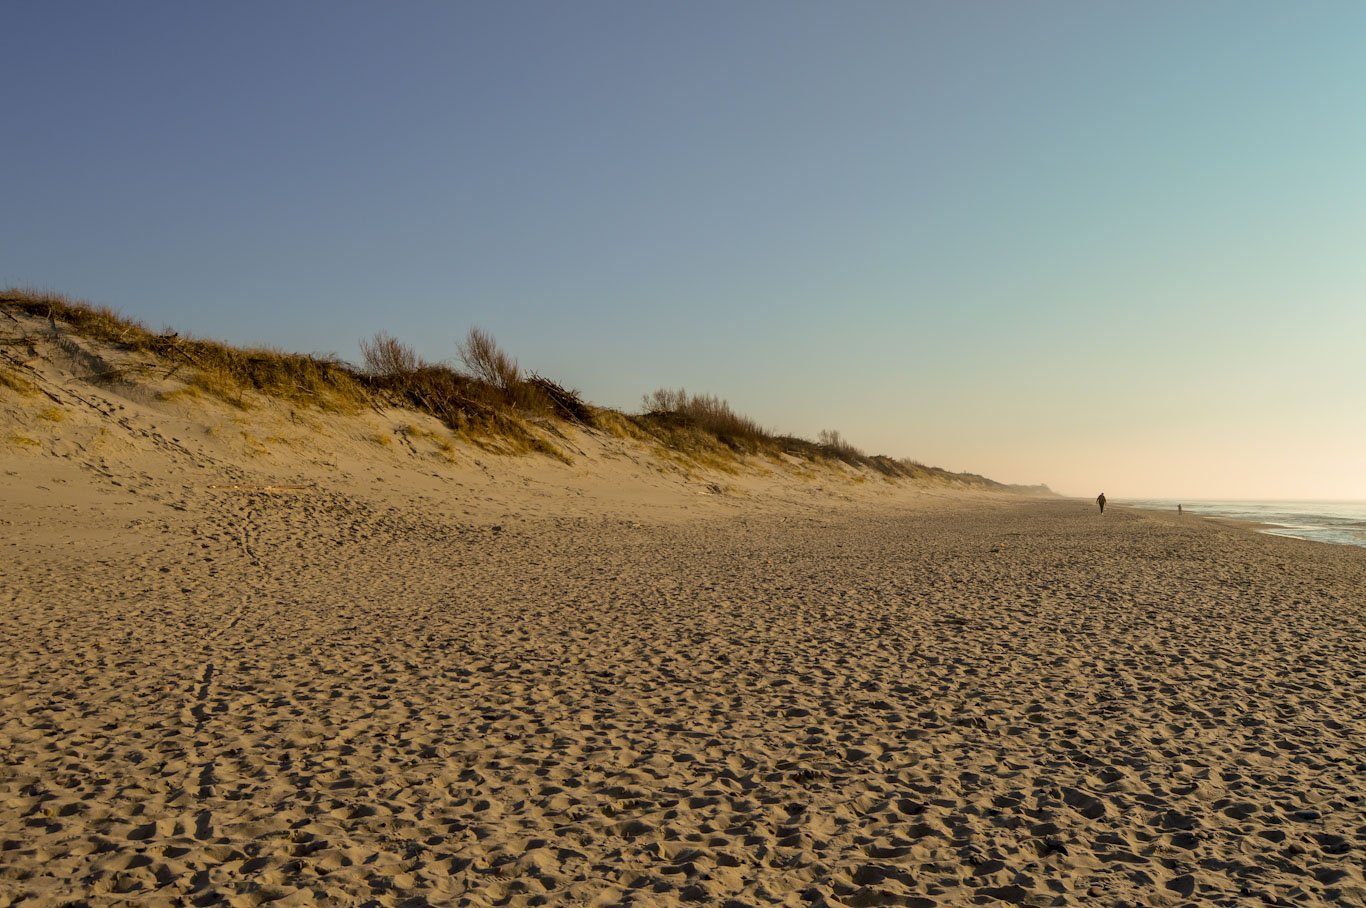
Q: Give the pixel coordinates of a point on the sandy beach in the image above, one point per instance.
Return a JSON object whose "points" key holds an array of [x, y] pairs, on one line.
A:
{"points": [[300, 695], [279, 656]]}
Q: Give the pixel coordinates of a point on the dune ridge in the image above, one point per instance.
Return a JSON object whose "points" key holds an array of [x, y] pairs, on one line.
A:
{"points": [[492, 402]]}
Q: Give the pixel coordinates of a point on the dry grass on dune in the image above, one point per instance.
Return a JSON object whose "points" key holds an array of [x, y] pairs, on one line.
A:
{"points": [[492, 402], [480, 409], [213, 367], [11, 379], [704, 424]]}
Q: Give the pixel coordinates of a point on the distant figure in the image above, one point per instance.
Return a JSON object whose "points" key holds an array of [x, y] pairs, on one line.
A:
{"points": [[1100, 500], [1178, 510]]}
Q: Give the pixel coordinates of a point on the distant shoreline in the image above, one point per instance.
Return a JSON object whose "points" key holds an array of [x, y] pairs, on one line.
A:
{"points": [[1329, 522]]}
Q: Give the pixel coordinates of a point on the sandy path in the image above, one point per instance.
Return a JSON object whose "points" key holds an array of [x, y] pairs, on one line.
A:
{"points": [[302, 697]]}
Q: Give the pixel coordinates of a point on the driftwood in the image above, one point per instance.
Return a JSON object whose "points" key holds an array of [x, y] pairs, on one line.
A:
{"points": [[567, 404], [171, 343]]}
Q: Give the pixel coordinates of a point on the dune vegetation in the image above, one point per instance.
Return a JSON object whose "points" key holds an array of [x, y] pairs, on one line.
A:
{"points": [[487, 395]]}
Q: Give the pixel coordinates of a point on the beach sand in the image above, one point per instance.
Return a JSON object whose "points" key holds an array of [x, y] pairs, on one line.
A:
{"points": [[309, 677]]}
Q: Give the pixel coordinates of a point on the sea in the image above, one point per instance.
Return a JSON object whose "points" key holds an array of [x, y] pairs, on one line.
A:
{"points": [[1338, 522]]}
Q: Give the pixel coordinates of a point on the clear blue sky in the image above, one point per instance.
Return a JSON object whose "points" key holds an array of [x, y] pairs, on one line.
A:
{"points": [[1116, 246]]}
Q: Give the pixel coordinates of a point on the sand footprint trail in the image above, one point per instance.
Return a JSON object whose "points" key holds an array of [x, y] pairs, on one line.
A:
{"points": [[332, 700]]}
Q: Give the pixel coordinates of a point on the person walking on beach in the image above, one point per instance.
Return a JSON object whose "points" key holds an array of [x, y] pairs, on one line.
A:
{"points": [[1100, 500]]}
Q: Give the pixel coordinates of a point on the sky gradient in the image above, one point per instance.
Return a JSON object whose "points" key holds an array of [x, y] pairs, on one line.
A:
{"points": [[1099, 246]]}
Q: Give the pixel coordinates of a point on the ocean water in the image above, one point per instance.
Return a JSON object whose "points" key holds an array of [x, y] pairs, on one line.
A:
{"points": [[1339, 522]]}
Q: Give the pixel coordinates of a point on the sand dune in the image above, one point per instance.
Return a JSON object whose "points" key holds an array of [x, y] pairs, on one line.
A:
{"points": [[335, 671]]}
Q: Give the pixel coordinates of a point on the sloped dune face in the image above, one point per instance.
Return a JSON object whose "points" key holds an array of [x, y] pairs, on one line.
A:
{"points": [[127, 418]]}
